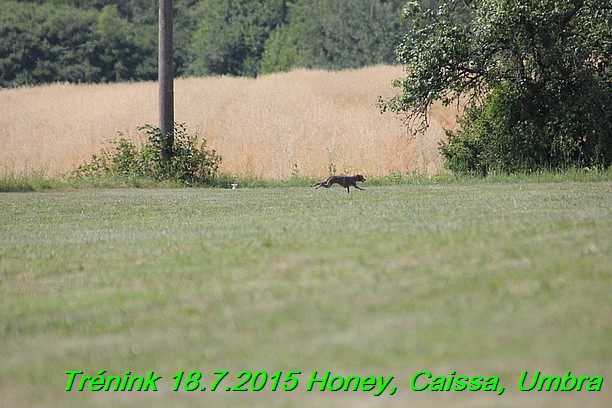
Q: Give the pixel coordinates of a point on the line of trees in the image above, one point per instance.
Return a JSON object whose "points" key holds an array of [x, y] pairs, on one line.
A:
{"points": [[116, 40]]}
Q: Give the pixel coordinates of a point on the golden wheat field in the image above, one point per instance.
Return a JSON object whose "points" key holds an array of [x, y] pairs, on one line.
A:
{"points": [[310, 121]]}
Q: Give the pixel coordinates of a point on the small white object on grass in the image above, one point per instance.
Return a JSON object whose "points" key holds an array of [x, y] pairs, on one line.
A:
{"points": [[234, 186]]}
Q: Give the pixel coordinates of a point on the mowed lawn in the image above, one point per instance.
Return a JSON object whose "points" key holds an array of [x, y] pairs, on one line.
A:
{"points": [[479, 278]]}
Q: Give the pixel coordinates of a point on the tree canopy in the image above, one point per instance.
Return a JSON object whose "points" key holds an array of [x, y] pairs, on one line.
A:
{"points": [[536, 75], [335, 34], [112, 40]]}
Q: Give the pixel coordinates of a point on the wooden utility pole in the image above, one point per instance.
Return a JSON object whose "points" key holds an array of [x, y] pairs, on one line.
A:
{"points": [[165, 75]]}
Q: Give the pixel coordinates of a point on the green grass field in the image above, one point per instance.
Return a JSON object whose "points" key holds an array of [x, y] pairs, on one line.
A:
{"points": [[480, 278]]}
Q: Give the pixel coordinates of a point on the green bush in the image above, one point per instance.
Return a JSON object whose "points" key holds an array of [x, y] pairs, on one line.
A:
{"points": [[562, 129], [190, 163]]}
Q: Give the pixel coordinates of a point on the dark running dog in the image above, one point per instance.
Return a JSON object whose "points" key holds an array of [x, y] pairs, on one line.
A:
{"points": [[344, 181]]}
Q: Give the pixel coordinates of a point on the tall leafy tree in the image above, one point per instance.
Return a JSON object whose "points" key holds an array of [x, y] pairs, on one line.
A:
{"points": [[45, 43], [536, 74], [56, 41], [230, 36], [335, 34]]}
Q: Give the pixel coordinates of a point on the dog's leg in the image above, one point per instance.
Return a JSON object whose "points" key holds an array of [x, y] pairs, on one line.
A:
{"points": [[359, 188], [325, 183]]}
